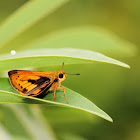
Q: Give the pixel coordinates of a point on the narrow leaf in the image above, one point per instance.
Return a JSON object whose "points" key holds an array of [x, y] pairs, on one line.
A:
{"points": [[91, 38], [26, 16], [9, 95], [47, 57]]}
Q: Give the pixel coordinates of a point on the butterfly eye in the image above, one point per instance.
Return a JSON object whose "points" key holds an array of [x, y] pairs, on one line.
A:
{"points": [[60, 75]]}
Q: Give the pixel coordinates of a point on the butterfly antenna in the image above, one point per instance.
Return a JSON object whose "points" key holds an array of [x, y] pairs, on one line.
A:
{"points": [[73, 74], [62, 66]]}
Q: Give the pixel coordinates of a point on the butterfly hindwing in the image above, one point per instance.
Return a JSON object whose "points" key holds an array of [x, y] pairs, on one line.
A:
{"points": [[30, 83]]}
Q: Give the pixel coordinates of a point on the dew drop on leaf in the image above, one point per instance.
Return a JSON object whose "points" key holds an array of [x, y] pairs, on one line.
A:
{"points": [[13, 52]]}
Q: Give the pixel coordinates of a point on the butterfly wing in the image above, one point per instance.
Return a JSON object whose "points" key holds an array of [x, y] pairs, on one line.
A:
{"points": [[30, 83]]}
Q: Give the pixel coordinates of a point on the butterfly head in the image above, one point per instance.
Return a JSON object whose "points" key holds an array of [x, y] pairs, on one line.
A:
{"points": [[62, 75]]}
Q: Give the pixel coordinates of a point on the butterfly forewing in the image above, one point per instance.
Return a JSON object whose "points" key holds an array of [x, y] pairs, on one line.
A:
{"points": [[30, 83]]}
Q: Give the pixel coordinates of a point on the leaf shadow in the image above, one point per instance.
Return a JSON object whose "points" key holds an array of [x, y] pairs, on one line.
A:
{"points": [[32, 101]]}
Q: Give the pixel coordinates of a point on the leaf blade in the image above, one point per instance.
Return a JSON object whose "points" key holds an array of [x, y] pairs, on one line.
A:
{"points": [[92, 38], [27, 15], [37, 58], [77, 101]]}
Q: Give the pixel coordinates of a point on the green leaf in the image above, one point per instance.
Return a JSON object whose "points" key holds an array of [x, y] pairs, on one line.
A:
{"points": [[33, 124], [49, 57], [26, 16], [4, 133], [91, 38], [9, 95], [29, 124]]}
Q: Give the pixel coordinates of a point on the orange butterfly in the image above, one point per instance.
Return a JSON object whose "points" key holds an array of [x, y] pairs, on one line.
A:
{"points": [[34, 83]]}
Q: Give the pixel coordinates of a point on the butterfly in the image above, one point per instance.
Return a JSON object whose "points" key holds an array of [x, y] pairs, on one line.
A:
{"points": [[34, 83]]}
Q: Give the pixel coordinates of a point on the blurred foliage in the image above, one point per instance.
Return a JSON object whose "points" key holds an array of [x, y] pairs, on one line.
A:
{"points": [[113, 88]]}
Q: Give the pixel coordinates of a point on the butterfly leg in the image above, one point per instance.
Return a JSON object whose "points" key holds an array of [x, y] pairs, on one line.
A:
{"points": [[55, 92], [64, 91]]}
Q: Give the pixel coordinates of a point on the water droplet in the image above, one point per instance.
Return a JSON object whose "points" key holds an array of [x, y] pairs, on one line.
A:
{"points": [[13, 52]]}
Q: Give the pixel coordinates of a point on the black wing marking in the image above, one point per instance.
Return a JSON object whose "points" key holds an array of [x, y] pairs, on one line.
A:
{"points": [[40, 82], [43, 89], [38, 86]]}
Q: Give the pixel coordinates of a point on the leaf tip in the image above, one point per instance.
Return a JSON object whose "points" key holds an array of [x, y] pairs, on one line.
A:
{"points": [[127, 66], [108, 118]]}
